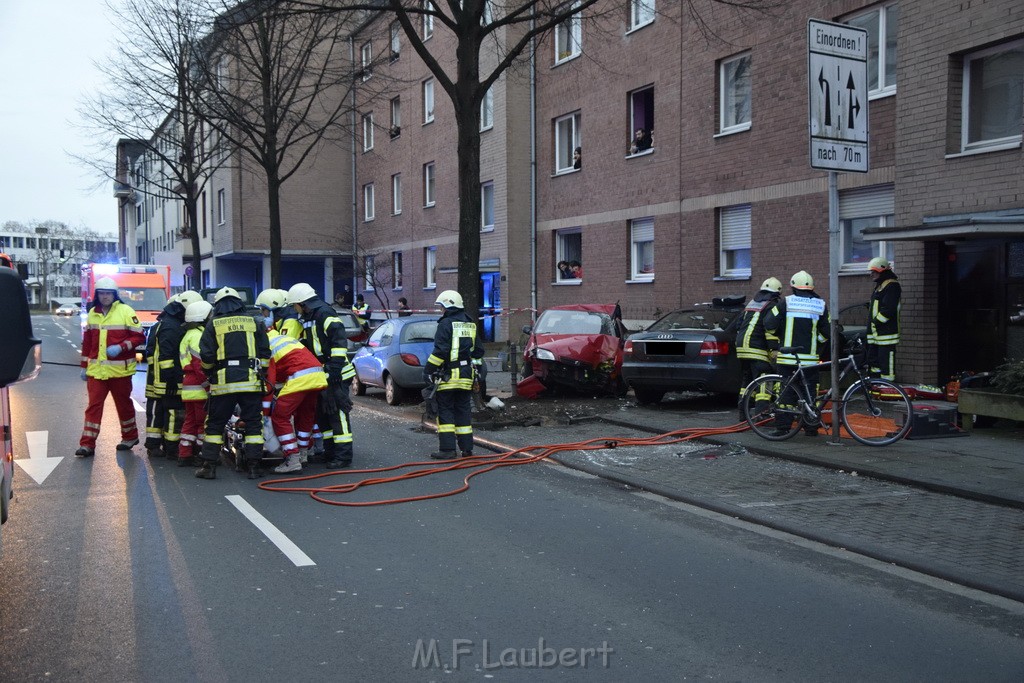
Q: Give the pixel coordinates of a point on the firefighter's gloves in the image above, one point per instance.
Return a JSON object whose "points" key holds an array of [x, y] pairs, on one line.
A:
{"points": [[114, 350], [334, 370], [85, 377], [431, 374]]}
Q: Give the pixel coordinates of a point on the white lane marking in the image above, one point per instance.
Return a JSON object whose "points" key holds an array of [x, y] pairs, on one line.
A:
{"points": [[37, 465], [283, 543]]}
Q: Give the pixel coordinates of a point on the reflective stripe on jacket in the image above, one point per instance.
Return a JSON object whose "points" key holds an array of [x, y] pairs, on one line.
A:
{"points": [[233, 348], [117, 325], [194, 379], [800, 319], [324, 334], [884, 327], [456, 346], [751, 337], [293, 367]]}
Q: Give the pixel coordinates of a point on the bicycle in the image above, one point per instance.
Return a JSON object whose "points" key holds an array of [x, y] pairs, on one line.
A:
{"points": [[874, 411]]}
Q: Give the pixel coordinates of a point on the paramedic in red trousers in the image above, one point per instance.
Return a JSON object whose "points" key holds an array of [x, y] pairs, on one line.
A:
{"points": [[450, 367], [884, 324], [164, 409], [112, 332], [751, 337], [233, 350], [799, 320], [193, 384], [324, 334]]}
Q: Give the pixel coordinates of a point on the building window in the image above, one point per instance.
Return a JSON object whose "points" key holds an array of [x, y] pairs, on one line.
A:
{"points": [[734, 241], [993, 95], [428, 184], [568, 251], [368, 208], [859, 209], [428, 19], [430, 267], [221, 208], [567, 139], [641, 13], [396, 270], [366, 54], [734, 94], [487, 110], [396, 117], [367, 132], [396, 194], [428, 100], [369, 272], [487, 206], [641, 249], [396, 41], [641, 120], [568, 35], [882, 25]]}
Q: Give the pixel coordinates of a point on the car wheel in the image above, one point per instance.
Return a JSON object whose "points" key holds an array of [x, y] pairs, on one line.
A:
{"points": [[647, 396], [358, 388], [392, 392]]}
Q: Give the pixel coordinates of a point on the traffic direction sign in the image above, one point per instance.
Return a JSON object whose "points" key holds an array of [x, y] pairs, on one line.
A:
{"points": [[837, 96]]}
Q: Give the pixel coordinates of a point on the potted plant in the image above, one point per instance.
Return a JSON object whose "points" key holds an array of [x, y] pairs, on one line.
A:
{"points": [[1004, 397]]}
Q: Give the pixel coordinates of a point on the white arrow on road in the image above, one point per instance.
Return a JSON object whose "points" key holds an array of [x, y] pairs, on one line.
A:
{"points": [[37, 465]]}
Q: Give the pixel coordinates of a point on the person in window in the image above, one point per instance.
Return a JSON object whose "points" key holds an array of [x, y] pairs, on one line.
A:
{"points": [[641, 141], [577, 158], [564, 271], [577, 270]]}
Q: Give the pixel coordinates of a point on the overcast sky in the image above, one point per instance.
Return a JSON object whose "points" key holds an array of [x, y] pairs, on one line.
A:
{"points": [[47, 52]]}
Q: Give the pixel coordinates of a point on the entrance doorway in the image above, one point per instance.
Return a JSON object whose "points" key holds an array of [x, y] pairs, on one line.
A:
{"points": [[490, 304]]}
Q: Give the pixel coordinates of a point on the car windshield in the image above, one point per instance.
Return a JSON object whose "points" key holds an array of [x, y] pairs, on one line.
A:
{"points": [[144, 298], [701, 319], [574, 322], [419, 332]]}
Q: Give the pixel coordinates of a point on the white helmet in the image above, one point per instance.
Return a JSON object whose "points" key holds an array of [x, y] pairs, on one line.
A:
{"points": [[772, 284], [189, 296], [449, 298], [272, 298], [106, 283], [802, 280], [225, 292], [198, 311], [301, 293], [878, 264]]}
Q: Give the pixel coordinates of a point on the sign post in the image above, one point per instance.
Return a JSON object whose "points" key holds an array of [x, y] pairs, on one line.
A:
{"points": [[837, 98]]}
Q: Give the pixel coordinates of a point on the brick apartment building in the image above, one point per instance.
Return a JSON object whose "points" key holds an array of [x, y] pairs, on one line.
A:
{"points": [[718, 195]]}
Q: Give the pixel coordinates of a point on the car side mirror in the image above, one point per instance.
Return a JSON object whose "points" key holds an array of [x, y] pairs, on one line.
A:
{"points": [[527, 329], [20, 352]]}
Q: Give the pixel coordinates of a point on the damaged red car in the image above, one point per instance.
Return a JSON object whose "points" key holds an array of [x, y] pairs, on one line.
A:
{"points": [[576, 347]]}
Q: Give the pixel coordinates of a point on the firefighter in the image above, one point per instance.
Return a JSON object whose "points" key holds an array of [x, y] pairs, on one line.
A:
{"points": [[297, 378], [164, 409], [751, 337], [799, 320], [194, 382], [281, 317], [112, 332], [324, 334], [884, 323], [360, 309], [234, 351], [449, 367]]}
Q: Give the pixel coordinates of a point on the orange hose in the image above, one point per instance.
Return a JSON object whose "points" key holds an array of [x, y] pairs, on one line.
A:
{"points": [[478, 463]]}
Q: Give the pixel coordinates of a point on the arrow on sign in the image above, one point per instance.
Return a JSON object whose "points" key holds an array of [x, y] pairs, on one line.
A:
{"points": [[854, 102], [823, 84], [37, 465]]}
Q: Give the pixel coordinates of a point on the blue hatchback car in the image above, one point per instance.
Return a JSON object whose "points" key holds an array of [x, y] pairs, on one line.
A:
{"points": [[394, 357]]}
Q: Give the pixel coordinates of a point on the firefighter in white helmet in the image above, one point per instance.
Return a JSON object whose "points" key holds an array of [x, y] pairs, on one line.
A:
{"points": [[450, 368], [751, 337], [194, 382], [324, 334], [799, 320], [112, 332], [884, 319]]}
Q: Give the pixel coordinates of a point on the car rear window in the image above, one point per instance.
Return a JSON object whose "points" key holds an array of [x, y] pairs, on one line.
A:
{"points": [[419, 332], [574, 322], [700, 319]]}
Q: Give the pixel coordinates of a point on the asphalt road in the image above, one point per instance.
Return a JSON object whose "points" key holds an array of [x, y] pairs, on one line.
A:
{"points": [[122, 569]]}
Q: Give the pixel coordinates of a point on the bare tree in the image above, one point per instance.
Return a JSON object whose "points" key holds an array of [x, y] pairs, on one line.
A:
{"points": [[278, 86], [153, 99], [474, 26], [59, 249]]}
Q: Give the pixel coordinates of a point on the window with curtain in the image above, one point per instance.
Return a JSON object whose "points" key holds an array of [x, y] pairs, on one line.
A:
{"points": [[641, 240]]}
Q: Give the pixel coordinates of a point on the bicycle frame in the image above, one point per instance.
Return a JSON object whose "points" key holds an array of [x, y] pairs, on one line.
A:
{"points": [[798, 383]]}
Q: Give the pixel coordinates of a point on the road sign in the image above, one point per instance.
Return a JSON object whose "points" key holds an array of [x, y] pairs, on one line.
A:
{"points": [[837, 57], [188, 270]]}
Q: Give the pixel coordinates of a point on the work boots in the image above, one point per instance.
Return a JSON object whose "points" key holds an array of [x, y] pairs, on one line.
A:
{"points": [[255, 469], [208, 470]]}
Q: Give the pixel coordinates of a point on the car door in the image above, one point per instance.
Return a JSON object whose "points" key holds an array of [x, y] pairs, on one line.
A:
{"points": [[384, 336]]}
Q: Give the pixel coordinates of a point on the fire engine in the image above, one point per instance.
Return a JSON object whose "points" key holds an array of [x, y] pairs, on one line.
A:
{"points": [[146, 288]]}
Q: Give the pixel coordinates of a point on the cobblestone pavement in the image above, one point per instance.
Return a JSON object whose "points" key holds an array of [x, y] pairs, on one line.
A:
{"points": [[969, 542]]}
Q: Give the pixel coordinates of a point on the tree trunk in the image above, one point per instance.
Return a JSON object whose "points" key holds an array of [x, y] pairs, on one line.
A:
{"points": [[274, 208], [467, 116], [192, 221]]}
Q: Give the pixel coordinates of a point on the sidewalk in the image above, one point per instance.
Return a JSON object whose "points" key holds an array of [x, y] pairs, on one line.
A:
{"points": [[987, 465]]}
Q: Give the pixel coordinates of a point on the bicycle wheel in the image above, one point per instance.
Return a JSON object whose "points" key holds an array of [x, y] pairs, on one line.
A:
{"points": [[876, 412], [764, 414]]}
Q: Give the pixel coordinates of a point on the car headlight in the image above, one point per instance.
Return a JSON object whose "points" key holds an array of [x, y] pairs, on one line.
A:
{"points": [[544, 354]]}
